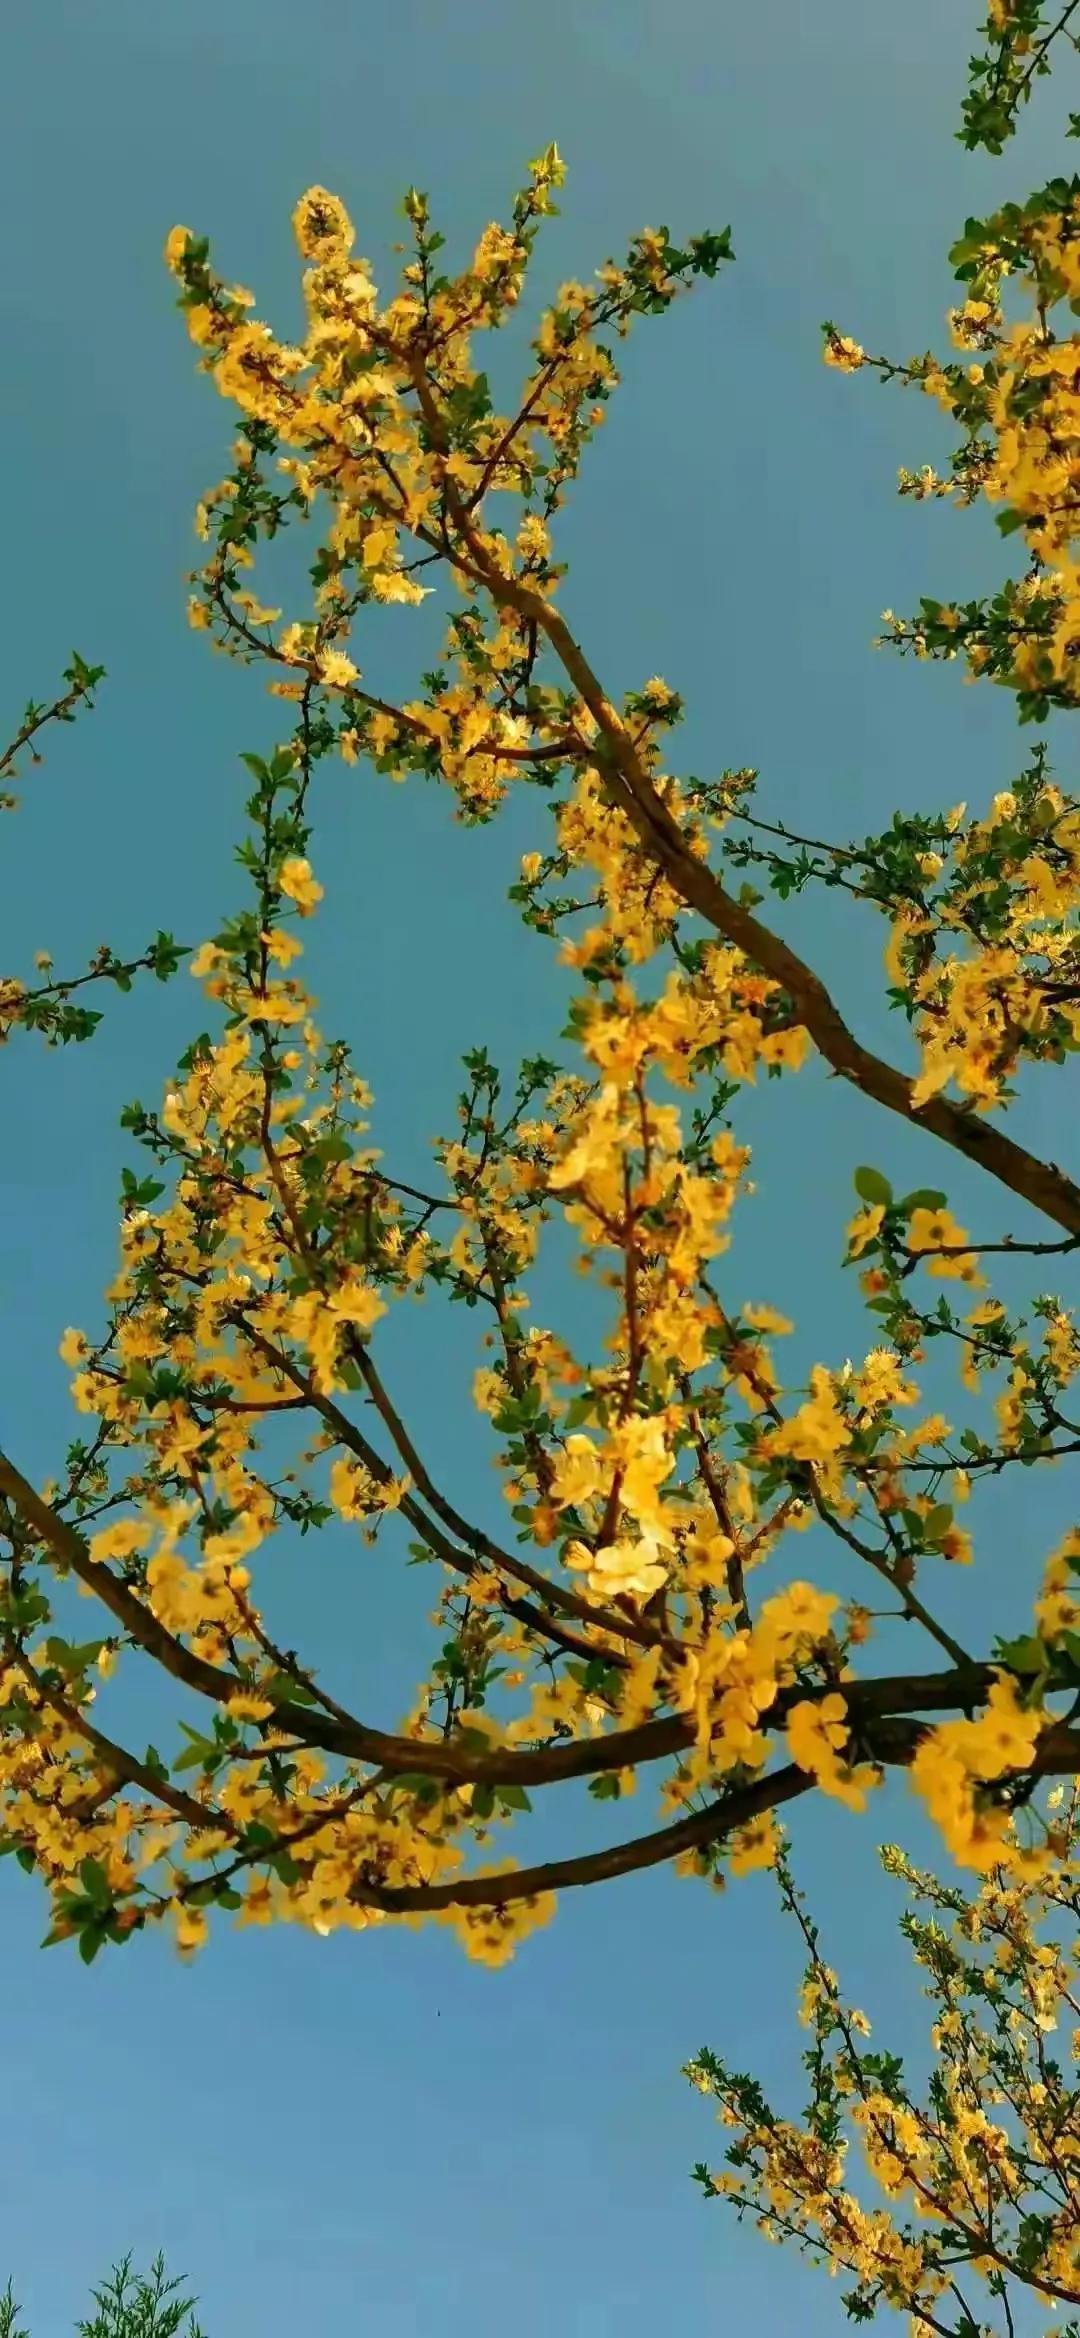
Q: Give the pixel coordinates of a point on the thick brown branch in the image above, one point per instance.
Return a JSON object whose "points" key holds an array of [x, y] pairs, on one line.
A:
{"points": [[868, 1702], [686, 1834], [890, 1742]]}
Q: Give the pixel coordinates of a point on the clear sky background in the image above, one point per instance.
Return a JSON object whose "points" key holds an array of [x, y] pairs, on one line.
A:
{"points": [[367, 2136]]}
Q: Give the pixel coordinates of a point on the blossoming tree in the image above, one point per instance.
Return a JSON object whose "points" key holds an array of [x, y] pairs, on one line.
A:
{"points": [[970, 2207], [653, 1611]]}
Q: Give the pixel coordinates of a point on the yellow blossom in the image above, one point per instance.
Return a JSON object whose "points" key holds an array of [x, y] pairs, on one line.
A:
{"points": [[295, 879]]}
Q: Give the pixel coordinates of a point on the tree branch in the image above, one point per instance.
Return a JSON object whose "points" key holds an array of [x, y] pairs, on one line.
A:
{"points": [[687, 1834], [1040, 1183], [893, 1742]]}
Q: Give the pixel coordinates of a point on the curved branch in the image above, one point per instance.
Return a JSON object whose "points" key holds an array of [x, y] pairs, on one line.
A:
{"points": [[69, 1547], [126, 1768], [627, 1627], [894, 1742], [1040, 1183], [61, 710], [962, 1688], [687, 1834], [467, 1562]]}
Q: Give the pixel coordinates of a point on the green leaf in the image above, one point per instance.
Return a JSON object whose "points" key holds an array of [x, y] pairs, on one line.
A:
{"points": [[924, 1198], [197, 1755], [511, 1798], [872, 1187], [417, 1782], [1070, 1642], [72, 1659], [1025, 1655], [256, 1837], [283, 1690], [95, 1883], [936, 1525]]}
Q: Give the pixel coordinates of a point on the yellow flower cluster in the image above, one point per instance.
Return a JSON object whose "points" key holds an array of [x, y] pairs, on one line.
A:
{"points": [[959, 1758], [817, 1737]]}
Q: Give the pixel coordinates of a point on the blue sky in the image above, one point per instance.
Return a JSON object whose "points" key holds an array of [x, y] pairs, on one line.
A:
{"points": [[368, 2135]]}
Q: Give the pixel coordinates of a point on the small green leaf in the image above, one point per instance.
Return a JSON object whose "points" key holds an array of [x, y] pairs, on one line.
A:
{"points": [[95, 1883], [256, 1837], [872, 1187]]}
